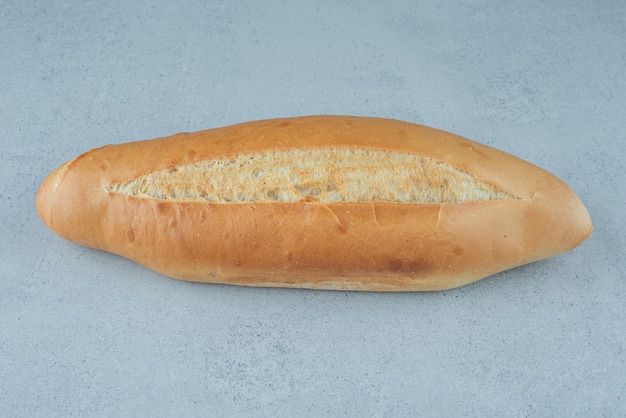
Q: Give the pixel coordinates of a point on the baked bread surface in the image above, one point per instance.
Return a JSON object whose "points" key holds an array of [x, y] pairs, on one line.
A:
{"points": [[328, 202]]}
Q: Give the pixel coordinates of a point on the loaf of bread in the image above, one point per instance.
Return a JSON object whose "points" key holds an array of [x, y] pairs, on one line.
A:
{"points": [[325, 202]]}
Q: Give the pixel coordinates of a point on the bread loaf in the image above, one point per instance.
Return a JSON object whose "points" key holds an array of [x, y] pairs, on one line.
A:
{"points": [[326, 202]]}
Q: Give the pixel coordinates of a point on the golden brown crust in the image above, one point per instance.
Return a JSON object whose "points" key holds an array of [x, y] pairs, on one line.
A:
{"points": [[357, 246]]}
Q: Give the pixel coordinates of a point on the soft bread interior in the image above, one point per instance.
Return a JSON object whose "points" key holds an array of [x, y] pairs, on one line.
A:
{"points": [[326, 175]]}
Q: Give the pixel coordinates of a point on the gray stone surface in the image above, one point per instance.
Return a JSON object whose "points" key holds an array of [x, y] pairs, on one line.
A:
{"points": [[86, 333]]}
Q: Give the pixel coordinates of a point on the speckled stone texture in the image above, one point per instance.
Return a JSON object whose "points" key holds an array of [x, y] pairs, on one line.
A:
{"points": [[86, 333]]}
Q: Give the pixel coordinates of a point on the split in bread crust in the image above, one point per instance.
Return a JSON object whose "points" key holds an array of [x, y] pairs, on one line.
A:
{"points": [[326, 175]]}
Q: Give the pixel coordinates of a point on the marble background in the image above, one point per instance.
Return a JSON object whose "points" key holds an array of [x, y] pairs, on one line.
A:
{"points": [[86, 333]]}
